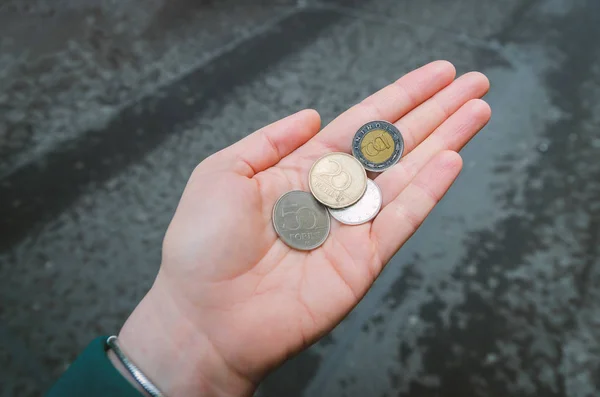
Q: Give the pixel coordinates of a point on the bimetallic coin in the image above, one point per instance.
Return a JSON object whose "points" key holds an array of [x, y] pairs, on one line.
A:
{"points": [[337, 180], [363, 210], [378, 145], [301, 221]]}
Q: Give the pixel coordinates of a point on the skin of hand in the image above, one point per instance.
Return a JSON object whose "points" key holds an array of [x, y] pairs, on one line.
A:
{"points": [[231, 301]]}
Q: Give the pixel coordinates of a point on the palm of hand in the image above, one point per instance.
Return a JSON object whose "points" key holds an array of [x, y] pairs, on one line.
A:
{"points": [[259, 301], [246, 280]]}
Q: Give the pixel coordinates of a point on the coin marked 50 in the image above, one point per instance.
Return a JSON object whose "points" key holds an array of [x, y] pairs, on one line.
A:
{"points": [[301, 221]]}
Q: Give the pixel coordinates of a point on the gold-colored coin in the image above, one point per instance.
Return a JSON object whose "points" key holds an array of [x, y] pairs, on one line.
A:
{"points": [[337, 180], [377, 146]]}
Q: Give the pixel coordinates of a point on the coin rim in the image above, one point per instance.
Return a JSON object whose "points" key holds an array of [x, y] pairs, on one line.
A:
{"points": [[311, 187], [303, 248], [369, 165], [333, 211]]}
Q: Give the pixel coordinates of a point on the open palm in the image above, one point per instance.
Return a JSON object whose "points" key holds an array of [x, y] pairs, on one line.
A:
{"points": [[249, 297]]}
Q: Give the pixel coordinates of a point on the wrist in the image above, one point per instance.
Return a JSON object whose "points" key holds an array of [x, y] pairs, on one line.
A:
{"points": [[178, 358], [125, 372]]}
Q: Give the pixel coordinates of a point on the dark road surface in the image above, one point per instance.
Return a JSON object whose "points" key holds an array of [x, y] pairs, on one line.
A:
{"points": [[106, 107]]}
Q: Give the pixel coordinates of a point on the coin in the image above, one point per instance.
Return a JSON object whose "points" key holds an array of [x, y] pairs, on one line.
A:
{"points": [[337, 180], [378, 145], [301, 221], [363, 210]]}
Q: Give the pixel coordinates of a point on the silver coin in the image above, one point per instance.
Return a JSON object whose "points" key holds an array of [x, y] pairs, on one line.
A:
{"points": [[363, 210], [378, 145], [300, 220]]}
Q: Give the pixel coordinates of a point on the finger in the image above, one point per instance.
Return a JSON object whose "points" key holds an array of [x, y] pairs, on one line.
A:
{"points": [[389, 104], [400, 218], [424, 119], [267, 146], [453, 134]]}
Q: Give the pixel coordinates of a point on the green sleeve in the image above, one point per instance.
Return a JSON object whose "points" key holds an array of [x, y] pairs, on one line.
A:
{"points": [[93, 375]]}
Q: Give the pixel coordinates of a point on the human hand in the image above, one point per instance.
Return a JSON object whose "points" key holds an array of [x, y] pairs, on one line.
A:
{"points": [[232, 301]]}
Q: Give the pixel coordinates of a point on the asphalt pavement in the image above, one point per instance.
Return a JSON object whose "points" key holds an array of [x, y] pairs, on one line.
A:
{"points": [[106, 107]]}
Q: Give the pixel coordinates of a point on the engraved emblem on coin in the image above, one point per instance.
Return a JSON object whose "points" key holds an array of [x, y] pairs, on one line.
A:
{"points": [[337, 180], [378, 145], [295, 218], [301, 221]]}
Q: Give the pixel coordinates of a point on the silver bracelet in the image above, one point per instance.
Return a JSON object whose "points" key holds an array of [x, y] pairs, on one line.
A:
{"points": [[133, 369]]}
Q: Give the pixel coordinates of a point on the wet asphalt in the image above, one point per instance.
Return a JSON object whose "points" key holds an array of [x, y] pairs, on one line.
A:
{"points": [[106, 107]]}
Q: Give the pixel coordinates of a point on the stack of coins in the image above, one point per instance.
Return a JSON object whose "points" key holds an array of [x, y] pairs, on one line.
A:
{"points": [[339, 186]]}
